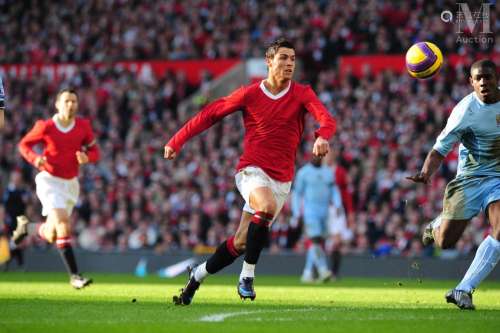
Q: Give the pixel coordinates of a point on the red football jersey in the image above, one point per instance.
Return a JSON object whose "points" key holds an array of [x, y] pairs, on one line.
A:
{"points": [[60, 146], [273, 125]]}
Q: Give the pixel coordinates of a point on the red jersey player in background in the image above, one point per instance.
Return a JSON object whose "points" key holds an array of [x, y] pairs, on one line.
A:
{"points": [[68, 143], [273, 112]]}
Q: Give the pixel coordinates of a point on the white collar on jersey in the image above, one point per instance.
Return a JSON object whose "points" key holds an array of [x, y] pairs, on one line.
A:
{"points": [[61, 127], [277, 96]]}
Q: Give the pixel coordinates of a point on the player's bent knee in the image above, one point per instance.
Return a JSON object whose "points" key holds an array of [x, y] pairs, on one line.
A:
{"points": [[267, 207]]}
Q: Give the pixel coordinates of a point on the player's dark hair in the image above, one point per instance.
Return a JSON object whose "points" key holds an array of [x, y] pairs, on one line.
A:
{"points": [[484, 63], [274, 46], [68, 90]]}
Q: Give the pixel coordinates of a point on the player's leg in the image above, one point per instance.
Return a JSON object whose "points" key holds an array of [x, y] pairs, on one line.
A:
{"points": [[485, 260], [339, 232], [60, 219], [225, 254], [308, 272], [312, 230], [488, 252], [262, 200], [317, 229], [16, 251], [461, 202], [48, 192], [448, 232], [336, 254], [320, 260], [45, 230]]}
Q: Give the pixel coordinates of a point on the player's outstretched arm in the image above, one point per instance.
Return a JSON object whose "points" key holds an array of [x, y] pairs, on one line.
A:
{"points": [[208, 116], [2, 118], [431, 164]]}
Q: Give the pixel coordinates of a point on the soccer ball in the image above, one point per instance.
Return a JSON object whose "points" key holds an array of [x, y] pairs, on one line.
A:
{"points": [[423, 60]]}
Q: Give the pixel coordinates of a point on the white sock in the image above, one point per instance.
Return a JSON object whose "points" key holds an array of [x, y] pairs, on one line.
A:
{"points": [[201, 272], [248, 270], [487, 256]]}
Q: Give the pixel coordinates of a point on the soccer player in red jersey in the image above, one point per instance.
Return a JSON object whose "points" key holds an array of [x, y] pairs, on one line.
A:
{"points": [[273, 112], [68, 142]]}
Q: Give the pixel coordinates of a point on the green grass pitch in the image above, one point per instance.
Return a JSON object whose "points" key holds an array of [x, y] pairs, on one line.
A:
{"points": [[43, 302]]}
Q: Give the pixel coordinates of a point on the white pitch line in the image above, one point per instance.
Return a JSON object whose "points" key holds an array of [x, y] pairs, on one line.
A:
{"points": [[219, 317]]}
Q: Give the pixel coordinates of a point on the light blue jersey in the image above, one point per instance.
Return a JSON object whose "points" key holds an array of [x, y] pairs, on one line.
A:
{"points": [[476, 126], [315, 191]]}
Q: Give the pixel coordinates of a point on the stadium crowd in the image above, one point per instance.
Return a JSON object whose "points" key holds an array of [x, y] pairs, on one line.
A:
{"points": [[134, 199], [77, 31]]}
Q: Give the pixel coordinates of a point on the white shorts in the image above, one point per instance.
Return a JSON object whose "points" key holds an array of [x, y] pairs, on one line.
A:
{"points": [[250, 178], [337, 224], [55, 192]]}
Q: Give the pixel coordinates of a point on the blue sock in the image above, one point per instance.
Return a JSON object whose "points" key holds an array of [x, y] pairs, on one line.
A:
{"points": [[319, 258], [308, 269], [484, 262]]}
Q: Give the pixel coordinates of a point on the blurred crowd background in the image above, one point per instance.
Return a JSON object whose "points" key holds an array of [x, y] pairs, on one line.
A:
{"points": [[134, 199]]}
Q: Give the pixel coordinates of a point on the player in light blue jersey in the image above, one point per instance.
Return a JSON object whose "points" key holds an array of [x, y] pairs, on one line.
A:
{"points": [[475, 123], [314, 191], [2, 104]]}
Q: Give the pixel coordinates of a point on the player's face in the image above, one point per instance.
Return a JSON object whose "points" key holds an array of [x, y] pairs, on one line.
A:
{"points": [[282, 65], [485, 83], [316, 161], [67, 105]]}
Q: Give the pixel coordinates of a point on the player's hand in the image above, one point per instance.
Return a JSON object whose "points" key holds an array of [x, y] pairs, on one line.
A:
{"points": [[82, 157], [40, 162], [170, 153], [321, 147], [419, 178]]}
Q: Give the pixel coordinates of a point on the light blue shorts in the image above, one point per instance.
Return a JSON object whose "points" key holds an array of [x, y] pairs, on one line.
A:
{"points": [[465, 197], [316, 226]]}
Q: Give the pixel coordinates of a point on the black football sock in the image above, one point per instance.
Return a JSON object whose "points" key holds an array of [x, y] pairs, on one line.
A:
{"points": [[336, 259], [224, 256], [257, 235], [66, 250]]}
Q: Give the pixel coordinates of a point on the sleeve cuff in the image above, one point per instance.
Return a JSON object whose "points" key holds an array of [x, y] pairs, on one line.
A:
{"points": [[440, 149], [320, 133]]}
